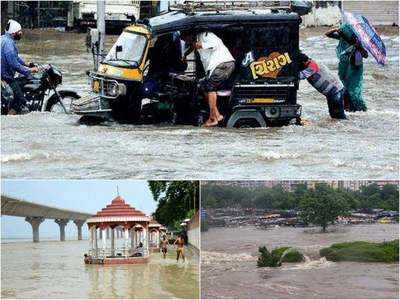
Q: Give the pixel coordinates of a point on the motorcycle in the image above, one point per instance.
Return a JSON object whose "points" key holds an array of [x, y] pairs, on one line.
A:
{"points": [[40, 92]]}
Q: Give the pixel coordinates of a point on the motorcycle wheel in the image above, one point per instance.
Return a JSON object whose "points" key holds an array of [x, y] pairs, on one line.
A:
{"points": [[54, 106]]}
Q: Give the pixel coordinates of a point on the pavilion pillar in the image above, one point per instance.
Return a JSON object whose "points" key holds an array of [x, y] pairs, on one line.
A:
{"points": [[108, 233], [126, 241], [101, 234], [104, 240], [35, 222], [95, 242], [132, 232], [112, 242], [135, 238], [91, 247], [79, 224], [158, 238], [146, 240], [62, 223]]}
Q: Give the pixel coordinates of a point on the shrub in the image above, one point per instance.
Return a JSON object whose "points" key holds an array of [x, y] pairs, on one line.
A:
{"points": [[279, 251], [266, 259], [277, 256], [363, 251], [292, 255]]}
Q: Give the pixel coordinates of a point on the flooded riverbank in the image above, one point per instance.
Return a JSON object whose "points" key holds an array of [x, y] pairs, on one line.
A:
{"points": [[229, 269], [43, 145], [57, 270]]}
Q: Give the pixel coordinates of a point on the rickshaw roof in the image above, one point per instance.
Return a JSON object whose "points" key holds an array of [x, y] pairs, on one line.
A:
{"points": [[178, 20]]}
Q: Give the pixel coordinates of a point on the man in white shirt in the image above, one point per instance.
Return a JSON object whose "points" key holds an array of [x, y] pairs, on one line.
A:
{"points": [[219, 65]]}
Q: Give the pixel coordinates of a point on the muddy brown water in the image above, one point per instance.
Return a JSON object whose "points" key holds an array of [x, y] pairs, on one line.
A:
{"points": [[44, 145], [229, 269], [56, 270]]}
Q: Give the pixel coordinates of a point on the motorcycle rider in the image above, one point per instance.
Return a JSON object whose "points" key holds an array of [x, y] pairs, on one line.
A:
{"points": [[11, 63]]}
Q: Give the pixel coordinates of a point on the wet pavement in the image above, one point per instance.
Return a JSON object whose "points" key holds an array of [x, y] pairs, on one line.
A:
{"points": [[229, 257], [45, 145]]}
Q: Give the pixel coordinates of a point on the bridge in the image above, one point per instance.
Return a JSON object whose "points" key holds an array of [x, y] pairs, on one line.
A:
{"points": [[35, 214]]}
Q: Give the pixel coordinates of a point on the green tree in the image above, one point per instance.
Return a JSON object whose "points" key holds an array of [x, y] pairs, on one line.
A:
{"points": [[177, 200], [322, 206], [300, 190], [390, 197]]}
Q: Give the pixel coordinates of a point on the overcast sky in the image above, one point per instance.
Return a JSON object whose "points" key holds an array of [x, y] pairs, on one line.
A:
{"points": [[79, 195]]}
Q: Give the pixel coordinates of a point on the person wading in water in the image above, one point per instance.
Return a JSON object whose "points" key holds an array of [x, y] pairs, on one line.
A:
{"points": [[351, 54], [164, 246], [180, 251]]}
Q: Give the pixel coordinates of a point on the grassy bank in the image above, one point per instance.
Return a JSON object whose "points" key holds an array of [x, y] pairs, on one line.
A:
{"points": [[363, 252]]}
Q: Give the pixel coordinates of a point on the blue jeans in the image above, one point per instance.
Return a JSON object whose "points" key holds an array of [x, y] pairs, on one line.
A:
{"points": [[19, 99]]}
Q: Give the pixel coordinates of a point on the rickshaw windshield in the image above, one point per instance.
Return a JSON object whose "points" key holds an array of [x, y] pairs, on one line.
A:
{"points": [[133, 46]]}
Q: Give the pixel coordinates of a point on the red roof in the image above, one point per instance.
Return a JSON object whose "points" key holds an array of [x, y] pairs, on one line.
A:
{"points": [[118, 208], [154, 223]]}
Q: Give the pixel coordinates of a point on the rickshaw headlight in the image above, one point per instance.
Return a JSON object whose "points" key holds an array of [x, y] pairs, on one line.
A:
{"points": [[117, 89], [122, 88], [113, 90]]}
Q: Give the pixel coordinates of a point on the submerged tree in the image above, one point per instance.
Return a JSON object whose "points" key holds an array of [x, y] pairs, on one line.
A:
{"points": [[322, 206]]}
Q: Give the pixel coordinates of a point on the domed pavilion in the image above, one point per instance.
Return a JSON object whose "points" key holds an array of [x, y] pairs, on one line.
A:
{"points": [[135, 242], [155, 235]]}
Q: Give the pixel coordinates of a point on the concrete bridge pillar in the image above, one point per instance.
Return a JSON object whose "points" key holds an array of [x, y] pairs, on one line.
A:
{"points": [[62, 223], [79, 224], [35, 222]]}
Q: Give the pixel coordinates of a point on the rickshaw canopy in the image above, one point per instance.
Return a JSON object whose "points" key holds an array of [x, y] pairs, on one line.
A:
{"points": [[178, 20]]}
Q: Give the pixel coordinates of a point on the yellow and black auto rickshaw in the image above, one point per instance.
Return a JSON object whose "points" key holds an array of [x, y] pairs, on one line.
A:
{"points": [[144, 80]]}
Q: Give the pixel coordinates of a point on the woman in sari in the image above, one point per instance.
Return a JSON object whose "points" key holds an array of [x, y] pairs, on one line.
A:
{"points": [[350, 54]]}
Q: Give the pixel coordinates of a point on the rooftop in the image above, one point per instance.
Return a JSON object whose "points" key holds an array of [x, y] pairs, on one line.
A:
{"points": [[118, 210]]}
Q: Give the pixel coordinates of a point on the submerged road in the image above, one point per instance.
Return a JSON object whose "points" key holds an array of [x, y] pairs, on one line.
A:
{"points": [[44, 145]]}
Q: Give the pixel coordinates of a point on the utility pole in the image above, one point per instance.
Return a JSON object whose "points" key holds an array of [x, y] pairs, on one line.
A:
{"points": [[101, 24]]}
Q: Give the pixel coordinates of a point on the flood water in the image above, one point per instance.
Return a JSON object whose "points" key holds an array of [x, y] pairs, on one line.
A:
{"points": [[229, 257], [44, 145], [56, 270]]}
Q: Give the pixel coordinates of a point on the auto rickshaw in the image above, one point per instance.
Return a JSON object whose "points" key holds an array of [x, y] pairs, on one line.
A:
{"points": [[144, 80]]}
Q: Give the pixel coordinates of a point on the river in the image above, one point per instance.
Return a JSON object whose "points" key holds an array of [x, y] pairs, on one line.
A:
{"points": [[229, 257], [44, 145], [56, 270]]}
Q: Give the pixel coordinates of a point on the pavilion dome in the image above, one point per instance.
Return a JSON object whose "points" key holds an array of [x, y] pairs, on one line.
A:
{"points": [[118, 211], [154, 224]]}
